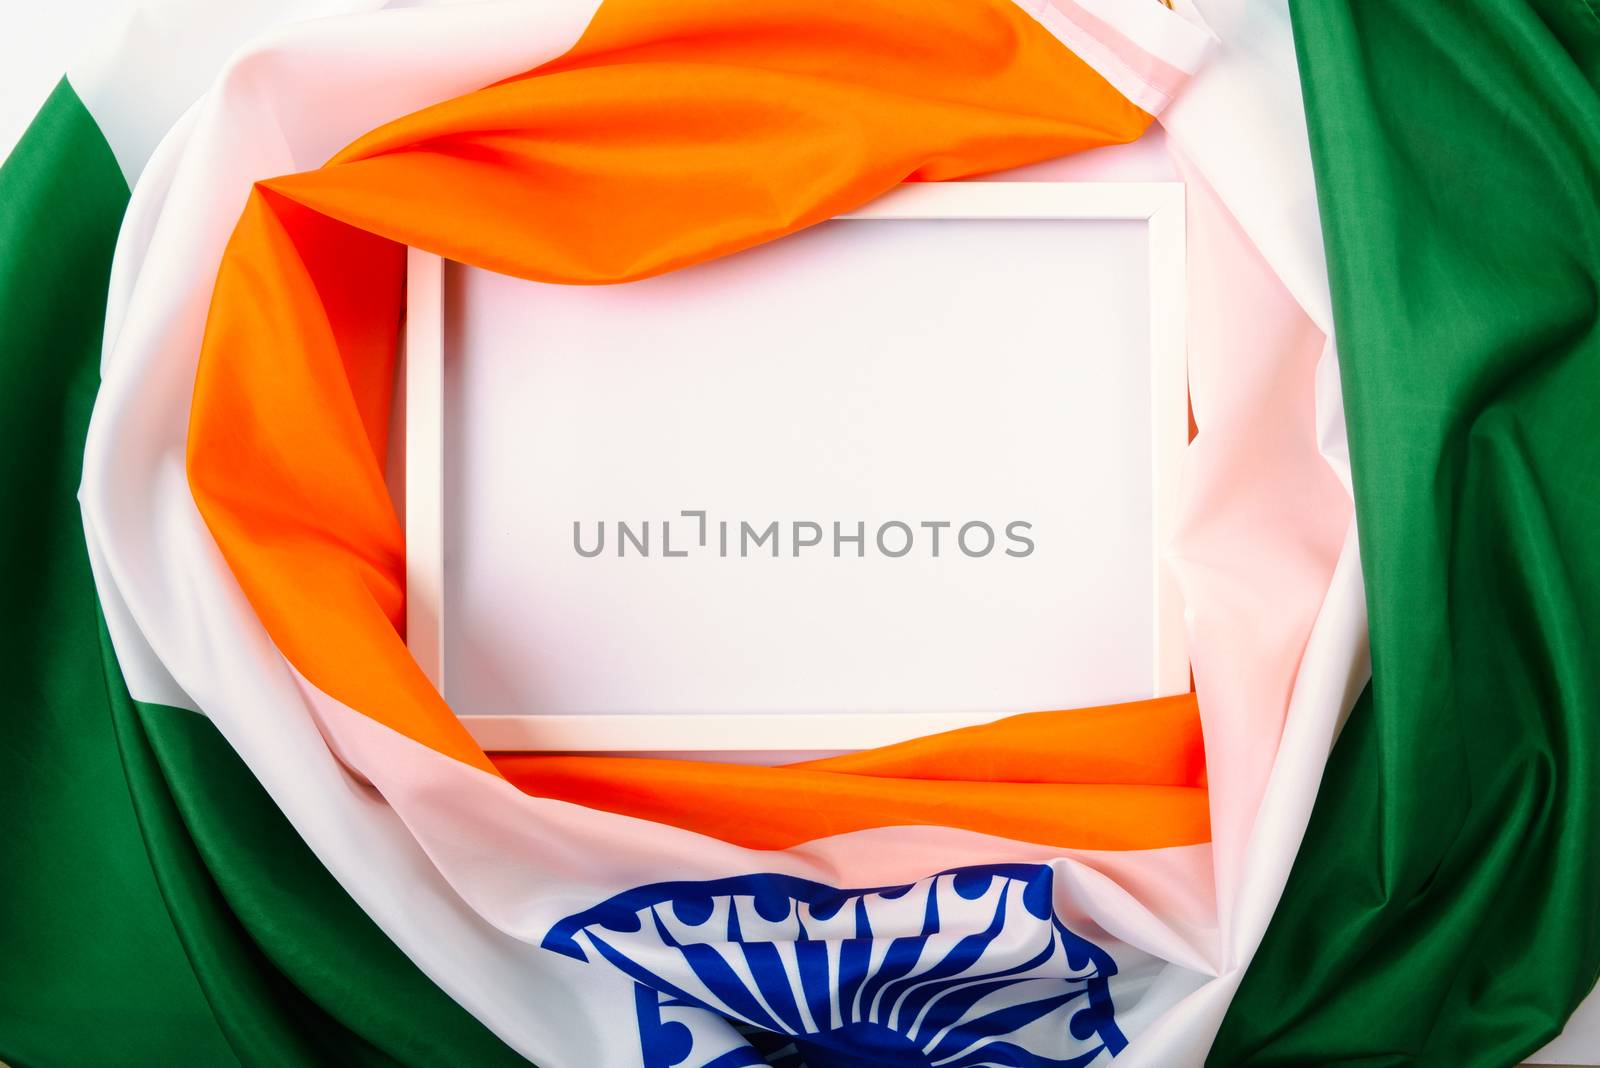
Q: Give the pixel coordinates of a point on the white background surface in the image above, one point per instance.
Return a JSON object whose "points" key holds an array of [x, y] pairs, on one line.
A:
{"points": [[41, 37], [963, 370]]}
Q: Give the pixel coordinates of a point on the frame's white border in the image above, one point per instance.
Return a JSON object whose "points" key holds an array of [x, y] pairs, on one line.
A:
{"points": [[1159, 204]]}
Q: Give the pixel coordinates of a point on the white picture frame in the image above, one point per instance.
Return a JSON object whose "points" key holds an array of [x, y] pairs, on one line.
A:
{"points": [[1158, 205]]}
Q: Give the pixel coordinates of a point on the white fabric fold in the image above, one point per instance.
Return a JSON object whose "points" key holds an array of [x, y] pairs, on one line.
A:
{"points": [[465, 873]]}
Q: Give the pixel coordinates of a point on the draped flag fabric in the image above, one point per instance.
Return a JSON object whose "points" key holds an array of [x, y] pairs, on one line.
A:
{"points": [[1458, 170], [244, 827]]}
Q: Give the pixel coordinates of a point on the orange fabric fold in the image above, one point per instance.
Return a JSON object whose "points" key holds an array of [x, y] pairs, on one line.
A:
{"points": [[672, 133], [1116, 777]]}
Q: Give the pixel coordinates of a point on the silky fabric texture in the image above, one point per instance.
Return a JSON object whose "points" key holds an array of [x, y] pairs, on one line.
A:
{"points": [[1457, 153], [186, 636], [290, 105], [629, 156], [155, 906], [1048, 773]]}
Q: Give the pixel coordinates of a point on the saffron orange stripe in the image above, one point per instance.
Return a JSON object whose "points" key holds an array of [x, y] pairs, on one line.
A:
{"points": [[1069, 779], [672, 133]]}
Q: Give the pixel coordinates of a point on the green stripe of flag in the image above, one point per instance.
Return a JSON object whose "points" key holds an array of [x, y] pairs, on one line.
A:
{"points": [[1445, 908], [155, 906]]}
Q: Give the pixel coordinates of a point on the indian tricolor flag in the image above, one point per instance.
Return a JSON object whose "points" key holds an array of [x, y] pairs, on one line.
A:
{"points": [[241, 826]]}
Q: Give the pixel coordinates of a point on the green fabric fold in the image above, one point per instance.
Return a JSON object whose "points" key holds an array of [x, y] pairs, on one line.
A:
{"points": [[155, 906], [1445, 907]]}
